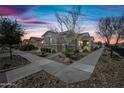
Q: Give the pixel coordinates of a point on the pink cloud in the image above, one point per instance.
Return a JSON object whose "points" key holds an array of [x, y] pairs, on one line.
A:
{"points": [[21, 19], [4, 11], [13, 10], [27, 18], [35, 22], [35, 32], [113, 39]]}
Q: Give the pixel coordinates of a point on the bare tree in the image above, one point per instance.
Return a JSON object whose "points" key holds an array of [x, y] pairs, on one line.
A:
{"points": [[111, 26], [119, 28], [52, 27], [60, 22], [70, 22], [106, 28]]}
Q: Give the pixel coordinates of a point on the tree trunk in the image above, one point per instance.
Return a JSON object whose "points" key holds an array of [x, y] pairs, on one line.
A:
{"points": [[111, 51], [110, 47], [117, 40], [10, 51], [75, 44]]}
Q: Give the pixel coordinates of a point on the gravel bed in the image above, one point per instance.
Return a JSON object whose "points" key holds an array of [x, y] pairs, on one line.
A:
{"points": [[16, 61], [109, 72], [74, 58]]}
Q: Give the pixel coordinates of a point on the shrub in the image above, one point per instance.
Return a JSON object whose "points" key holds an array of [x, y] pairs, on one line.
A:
{"points": [[43, 54], [95, 47], [6, 66], [28, 47], [47, 50], [82, 47], [53, 51], [99, 43], [76, 51], [86, 49], [70, 52]]}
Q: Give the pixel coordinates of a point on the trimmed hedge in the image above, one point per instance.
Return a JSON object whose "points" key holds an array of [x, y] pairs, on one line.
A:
{"points": [[47, 50], [28, 47]]}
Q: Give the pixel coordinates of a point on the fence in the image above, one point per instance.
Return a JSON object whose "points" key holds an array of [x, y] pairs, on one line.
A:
{"points": [[119, 50]]}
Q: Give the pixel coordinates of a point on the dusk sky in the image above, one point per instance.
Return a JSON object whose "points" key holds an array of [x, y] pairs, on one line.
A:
{"points": [[35, 19]]}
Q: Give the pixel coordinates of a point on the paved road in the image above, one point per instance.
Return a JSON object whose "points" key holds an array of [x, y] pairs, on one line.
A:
{"points": [[78, 71]]}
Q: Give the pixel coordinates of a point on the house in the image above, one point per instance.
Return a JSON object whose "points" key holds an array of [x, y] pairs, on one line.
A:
{"points": [[60, 40], [50, 39], [84, 39], [36, 41], [25, 41]]}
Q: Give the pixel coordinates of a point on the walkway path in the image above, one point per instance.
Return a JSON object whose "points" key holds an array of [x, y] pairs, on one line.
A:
{"points": [[78, 71], [24, 71]]}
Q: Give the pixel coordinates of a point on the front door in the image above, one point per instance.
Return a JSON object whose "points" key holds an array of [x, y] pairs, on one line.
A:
{"points": [[84, 42]]}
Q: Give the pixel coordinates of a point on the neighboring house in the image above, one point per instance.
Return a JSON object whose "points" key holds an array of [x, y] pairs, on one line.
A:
{"points": [[37, 42], [25, 41], [60, 40]]}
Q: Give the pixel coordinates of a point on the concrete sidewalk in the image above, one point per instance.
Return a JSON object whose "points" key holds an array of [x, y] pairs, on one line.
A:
{"points": [[29, 69], [78, 71]]}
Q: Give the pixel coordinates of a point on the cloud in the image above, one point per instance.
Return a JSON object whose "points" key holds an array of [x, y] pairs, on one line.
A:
{"points": [[13, 10], [34, 22], [112, 8], [112, 41], [27, 18], [35, 32]]}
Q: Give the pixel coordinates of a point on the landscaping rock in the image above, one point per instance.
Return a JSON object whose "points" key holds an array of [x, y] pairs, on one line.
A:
{"points": [[61, 55], [67, 61]]}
